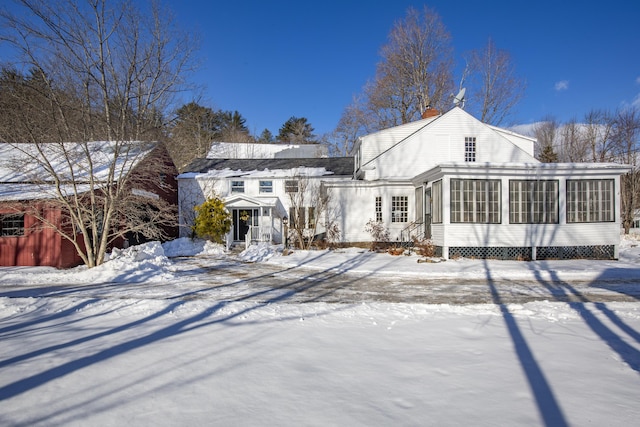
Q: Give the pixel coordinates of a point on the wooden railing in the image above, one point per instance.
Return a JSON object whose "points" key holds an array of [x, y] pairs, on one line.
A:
{"points": [[258, 234]]}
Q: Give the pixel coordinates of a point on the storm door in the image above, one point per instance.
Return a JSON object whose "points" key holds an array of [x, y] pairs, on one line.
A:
{"points": [[243, 220]]}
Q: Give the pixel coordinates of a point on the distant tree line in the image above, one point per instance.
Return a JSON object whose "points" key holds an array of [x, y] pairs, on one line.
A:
{"points": [[600, 136], [195, 127]]}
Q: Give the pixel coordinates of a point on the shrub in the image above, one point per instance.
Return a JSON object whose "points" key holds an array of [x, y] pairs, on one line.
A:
{"points": [[424, 247], [212, 221], [379, 234]]}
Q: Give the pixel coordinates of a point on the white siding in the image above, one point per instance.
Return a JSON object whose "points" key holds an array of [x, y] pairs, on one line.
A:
{"points": [[376, 143], [443, 142], [529, 235], [356, 205]]}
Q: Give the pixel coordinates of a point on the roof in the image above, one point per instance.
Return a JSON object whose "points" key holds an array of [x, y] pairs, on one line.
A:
{"points": [[339, 166], [26, 170], [248, 150]]}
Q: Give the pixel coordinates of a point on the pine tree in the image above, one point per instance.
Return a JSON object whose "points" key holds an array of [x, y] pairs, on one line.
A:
{"points": [[296, 130], [548, 155]]}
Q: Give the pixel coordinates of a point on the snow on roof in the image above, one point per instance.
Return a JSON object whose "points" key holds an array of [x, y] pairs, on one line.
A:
{"points": [[266, 173], [245, 150], [28, 171], [274, 168]]}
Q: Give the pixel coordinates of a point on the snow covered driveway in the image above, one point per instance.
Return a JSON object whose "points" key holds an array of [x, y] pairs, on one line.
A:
{"points": [[226, 279]]}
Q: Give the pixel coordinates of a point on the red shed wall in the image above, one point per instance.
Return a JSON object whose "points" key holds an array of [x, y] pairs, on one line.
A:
{"points": [[38, 246]]}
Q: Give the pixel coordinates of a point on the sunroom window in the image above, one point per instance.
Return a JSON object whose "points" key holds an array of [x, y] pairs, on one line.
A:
{"points": [[475, 200]]}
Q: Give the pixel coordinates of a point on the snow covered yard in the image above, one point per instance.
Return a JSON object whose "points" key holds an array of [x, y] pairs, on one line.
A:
{"points": [[148, 359]]}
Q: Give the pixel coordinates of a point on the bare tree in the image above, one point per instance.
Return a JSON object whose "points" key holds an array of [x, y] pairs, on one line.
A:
{"points": [[496, 88], [573, 147], [106, 71], [626, 134], [415, 72], [351, 126], [311, 212], [598, 135]]}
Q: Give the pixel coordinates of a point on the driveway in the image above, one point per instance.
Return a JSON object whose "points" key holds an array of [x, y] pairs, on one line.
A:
{"points": [[229, 279]]}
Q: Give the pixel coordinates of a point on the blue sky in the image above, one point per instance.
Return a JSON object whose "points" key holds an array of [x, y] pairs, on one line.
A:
{"points": [[274, 60]]}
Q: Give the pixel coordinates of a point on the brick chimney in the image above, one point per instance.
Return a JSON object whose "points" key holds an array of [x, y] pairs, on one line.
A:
{"points": [[430, 112]]}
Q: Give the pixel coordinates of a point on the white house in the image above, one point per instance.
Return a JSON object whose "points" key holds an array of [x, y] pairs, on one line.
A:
{"points": [[476, 190], [473, 189], [260, 192]]}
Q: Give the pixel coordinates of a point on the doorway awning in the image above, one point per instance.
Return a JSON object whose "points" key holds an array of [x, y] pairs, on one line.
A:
{"points": [[245, 202]]}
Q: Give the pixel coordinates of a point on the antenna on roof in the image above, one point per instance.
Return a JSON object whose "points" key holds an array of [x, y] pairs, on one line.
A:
{"points": [[458, 100]]}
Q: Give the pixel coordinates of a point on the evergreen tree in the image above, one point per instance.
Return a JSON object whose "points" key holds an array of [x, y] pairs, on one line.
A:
{"points": [[212, 221], [233, 127], [296, 130], [548, 155], [266, 137]]}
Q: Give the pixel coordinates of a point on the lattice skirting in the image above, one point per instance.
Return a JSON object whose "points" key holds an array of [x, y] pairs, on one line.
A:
{"points": [[526, 253]]}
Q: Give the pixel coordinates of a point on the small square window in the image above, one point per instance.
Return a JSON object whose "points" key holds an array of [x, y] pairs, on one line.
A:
{"points": [[291, 186], [237, 186], [266, 186], [11, 225]]}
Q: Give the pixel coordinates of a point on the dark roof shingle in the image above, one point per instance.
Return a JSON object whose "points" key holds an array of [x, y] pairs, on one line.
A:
{"points": [[341, 166]]}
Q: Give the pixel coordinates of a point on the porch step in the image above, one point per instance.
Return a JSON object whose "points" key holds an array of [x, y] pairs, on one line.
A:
{"points": [[236, 249]]}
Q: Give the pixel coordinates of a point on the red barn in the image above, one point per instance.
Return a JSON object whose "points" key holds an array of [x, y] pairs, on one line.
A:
{"points": [[28, 217]]}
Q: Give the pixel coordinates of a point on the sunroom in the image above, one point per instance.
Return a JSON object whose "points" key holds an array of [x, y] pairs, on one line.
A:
{"points": [[522, 211]]}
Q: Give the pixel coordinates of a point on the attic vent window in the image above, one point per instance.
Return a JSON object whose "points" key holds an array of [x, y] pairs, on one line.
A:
{"points": [[470, 149]]}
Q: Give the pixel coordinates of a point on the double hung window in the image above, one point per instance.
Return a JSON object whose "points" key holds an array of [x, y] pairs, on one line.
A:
{"points": [[399, 209], [378, 209], [266, 186], [470, 149], [237, 186]]}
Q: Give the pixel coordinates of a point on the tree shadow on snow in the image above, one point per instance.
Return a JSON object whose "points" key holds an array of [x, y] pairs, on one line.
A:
{"points": [[208, 316], [546, 401]]}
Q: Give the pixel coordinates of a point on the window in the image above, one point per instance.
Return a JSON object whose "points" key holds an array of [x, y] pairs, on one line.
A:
{"points": [[311, 217], [11, 225], [436, 202], [590, 200], [237, 186], [378, 209], [399, 209], [475, 201], [291, 186], [533, 202], [470, 149], [266, 186], [302, 217]]}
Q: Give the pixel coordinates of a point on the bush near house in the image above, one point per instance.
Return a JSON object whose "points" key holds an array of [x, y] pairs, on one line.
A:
{"points": [[212, 220]]}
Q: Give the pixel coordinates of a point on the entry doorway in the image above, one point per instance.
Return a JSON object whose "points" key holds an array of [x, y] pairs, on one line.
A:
{"points": [[243, 219]]}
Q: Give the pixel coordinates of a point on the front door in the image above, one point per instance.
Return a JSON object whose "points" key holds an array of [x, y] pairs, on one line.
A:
{"points": [[243, 219]]}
